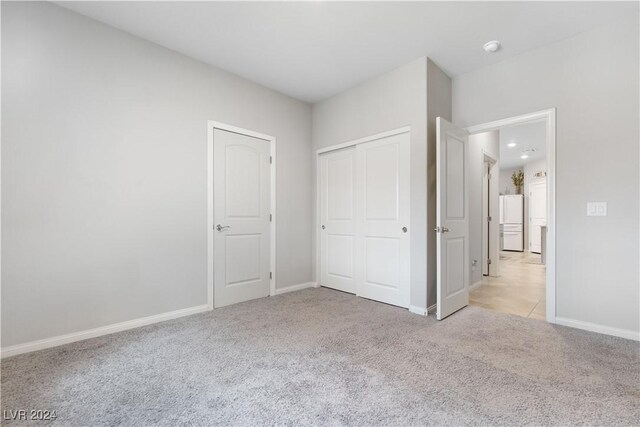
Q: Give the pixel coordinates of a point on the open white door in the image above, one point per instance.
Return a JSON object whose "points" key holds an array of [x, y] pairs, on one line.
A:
{"points": [[452, 218]]}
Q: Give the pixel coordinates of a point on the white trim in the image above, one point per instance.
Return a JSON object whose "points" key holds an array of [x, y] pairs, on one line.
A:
{"points": [[210, 254], [316, 223], [210, 204], [548, 116], [432, 308], [494, 226], [512, 121], [297, 287], [601, 329], [418, 310], [272, 262], [97, 332], [475, 286], [370, 138]]}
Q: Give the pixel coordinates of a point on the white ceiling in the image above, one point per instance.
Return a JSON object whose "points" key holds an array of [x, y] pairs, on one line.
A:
{"points": [[526, 137], [313, 50]]}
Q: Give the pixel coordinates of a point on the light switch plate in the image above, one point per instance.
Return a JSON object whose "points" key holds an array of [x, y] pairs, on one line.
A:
{"points": [[596, 208]]}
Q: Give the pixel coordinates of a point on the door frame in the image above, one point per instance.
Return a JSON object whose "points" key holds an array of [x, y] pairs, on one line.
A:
{"points": [[211, 126], [549, 118], [404, 129], [493, 225], [535, 184]]}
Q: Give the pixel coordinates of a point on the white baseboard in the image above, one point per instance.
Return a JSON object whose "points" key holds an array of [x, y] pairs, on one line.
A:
{"points": [[593, 327], [97, 332], [296, 288], [475, 285], [418, 310]]}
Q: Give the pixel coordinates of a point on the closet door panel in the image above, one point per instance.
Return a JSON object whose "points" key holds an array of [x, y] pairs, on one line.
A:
{"points": [[383, 212], [338, 219]]}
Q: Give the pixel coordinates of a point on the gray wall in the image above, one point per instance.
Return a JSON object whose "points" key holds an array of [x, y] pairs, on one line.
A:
{"points": [[390, 101], [592, 80], [104, 173], [479, 144], [438, 105], [506, 183]]}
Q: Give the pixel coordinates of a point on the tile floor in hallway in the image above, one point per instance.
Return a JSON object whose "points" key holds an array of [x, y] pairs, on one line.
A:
{"points": [[519, 290]]}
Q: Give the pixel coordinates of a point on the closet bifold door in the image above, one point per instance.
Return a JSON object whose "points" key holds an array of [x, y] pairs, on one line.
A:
{"points": [[383, 219], [338, 219]]}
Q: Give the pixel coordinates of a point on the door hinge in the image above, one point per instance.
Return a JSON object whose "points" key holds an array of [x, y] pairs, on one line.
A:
{"points": [[488, 261], [488, 219], [270, 275], [270, 160], [270, 217]]}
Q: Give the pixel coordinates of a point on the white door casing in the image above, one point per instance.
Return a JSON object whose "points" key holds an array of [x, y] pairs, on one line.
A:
{"points": [[452, 218], [537, 214], [338, 219], [383, 200], [486, 173], [549, 118], [242, 203], [494, 212]]}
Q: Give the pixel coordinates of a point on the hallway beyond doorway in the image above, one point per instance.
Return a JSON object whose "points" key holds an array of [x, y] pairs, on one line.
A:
{"points": [[519, 290]]}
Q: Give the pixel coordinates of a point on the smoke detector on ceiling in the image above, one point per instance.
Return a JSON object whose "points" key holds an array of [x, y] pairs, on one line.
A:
{"points": [[491, 46]]}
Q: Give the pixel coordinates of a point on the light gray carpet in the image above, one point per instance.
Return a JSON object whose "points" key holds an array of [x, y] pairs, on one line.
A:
{"points": [[321, 357]]}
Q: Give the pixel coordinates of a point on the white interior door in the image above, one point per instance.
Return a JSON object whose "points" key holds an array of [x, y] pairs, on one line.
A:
{"points": [[241, 214], [452, 217], [338, 219], [383, 205], [537, 214]]}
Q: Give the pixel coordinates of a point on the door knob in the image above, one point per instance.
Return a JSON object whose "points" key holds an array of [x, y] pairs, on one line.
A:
{"points": [[404, 229], [441, 230], [222, 227], [445, 230], [323, 227]]}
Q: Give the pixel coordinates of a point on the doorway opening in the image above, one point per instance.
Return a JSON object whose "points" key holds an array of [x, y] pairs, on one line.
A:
{"points": [[516, 159]]}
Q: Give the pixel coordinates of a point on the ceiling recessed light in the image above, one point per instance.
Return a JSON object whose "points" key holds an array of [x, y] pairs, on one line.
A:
{"points": [[491, 46], [524, 156], [511, 144]]}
